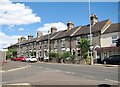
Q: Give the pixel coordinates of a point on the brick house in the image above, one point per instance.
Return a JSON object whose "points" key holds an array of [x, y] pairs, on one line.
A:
{"points": [[67, 40]]}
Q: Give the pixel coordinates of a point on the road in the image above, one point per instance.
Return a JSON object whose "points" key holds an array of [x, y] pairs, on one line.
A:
{"points": [[62, 74]]}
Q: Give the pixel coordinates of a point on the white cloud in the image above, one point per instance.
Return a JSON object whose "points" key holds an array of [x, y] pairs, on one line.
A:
{"points": [[21, 29], [6, 40], [16, 14], [47, 26]]}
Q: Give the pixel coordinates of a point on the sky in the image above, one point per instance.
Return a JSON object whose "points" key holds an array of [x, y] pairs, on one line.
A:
{"points": [[24, 18]]}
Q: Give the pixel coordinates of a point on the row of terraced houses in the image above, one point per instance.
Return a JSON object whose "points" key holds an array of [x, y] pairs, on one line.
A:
{"points": [[104, 34]]}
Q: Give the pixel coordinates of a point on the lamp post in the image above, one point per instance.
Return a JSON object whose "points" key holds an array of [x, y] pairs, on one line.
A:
{"points": [[48, 44], [90, 36]]}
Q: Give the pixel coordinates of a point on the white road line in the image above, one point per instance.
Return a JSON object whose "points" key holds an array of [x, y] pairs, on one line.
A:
{"points": [[17, 68], [72, 73], [91, 76], [57, 70], [40, 67], [68, 72], [24, 84], [111, 80], [47, 68], [76, 65]]}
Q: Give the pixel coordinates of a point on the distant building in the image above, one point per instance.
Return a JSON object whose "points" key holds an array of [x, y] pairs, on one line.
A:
{"points": [[104, 35]]}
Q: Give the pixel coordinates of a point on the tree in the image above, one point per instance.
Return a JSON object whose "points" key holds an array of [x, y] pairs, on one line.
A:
{"points": [[54, 55], [84, 46], [65, 55], [11, 53]]}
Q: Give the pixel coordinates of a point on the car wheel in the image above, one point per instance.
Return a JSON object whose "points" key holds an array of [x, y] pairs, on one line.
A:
{"points": [[104, 62]]}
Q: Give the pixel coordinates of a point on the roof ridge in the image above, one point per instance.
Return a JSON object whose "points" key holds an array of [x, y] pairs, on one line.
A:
{"points": [[55, 35], [75, 31]]}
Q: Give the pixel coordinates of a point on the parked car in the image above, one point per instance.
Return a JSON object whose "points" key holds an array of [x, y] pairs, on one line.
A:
{"points": [[98, 60], [13, 59], [22, 59], [31, 59], [114, 59]]}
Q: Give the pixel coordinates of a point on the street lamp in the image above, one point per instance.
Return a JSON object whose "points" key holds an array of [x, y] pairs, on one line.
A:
{"points": [[48, 44], [91, 47]]}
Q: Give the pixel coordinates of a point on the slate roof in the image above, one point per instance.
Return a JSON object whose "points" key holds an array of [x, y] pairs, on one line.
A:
{"points": [[113, 28], [95, 28], [66, 33], [45, 37], [28, 41]]}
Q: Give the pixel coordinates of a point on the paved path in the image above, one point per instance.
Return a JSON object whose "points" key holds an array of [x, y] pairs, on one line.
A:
{"points": [[12, 65]]}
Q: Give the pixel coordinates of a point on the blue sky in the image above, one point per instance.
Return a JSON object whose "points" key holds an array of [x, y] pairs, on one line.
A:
{"points": [[58, 13]]}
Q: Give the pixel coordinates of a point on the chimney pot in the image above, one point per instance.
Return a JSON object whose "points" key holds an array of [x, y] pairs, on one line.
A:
{"points": [[93, 19], [70, 25], [53, 29], [39, 34], [30, 37]]}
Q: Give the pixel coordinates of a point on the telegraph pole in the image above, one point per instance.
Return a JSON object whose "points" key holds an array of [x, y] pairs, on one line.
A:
{"points": [[91, 58], [48, 44]]}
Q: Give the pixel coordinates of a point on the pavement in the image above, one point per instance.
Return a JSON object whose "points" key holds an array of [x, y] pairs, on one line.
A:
{"points": [[12, 65]]}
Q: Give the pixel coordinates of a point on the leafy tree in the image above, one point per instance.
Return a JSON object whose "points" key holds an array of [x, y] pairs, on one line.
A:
{"points": [[65, 55], [11, 53], [84, 46], [54, 55], [73, 58], [32, 53]]}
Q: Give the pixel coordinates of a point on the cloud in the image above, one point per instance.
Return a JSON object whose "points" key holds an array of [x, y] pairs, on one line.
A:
{"points": [[6, 40], [47, 26], [16, 14], [21, 29]]}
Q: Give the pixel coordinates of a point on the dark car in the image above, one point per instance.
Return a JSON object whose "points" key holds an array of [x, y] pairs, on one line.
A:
{"points": [[114, 59]]}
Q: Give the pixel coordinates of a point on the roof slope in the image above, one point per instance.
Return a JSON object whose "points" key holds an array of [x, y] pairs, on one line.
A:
{"points": [[86, 29], [113, 28], [66, 33]]}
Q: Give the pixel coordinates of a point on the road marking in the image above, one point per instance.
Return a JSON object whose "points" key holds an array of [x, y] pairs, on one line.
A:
{"points": [[57, 70], [18, 84], [16, 69], [72, 73], [40, 67], [76, 65], [68, 72], [91, 76], [47, 68], [111, 80]]}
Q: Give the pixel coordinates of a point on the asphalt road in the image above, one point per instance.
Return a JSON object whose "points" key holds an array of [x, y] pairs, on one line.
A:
{"points": [[62, 74]]}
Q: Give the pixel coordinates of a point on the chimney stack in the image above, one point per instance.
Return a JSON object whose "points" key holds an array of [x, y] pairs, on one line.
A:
{"points": [[70, 25], [94, 19], [39, 34], [19, 40], [30, 37], [22, 39], [53, 29]]}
